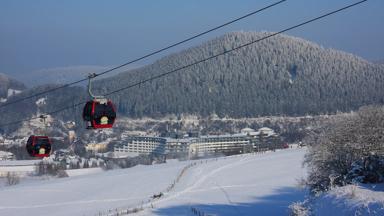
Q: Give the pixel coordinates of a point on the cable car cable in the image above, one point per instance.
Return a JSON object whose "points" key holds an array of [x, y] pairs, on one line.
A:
{"points": [[198, 62], [145, 56]]}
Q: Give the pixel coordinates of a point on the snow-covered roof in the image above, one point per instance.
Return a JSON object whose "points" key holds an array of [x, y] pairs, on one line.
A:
{"points": [[41, 101], [224, 135], [247, 130], [256, 133], [5, 154], [267, 131]]}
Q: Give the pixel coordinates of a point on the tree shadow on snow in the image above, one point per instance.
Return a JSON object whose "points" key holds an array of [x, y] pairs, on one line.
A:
{"points": [[274, 204]]}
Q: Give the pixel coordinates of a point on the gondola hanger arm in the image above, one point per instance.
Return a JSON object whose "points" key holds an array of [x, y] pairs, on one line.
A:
{"points": [[100, 98]]}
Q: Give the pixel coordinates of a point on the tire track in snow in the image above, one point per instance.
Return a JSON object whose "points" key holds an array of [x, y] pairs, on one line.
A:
{"points": [[199, 170], [232, 204], [203, 179]]}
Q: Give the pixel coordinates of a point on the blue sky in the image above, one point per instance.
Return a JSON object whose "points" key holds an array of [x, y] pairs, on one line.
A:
{"points": [[51, 33]]}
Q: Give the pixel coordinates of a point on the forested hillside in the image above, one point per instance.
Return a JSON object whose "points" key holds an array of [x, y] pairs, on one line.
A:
{"points": [[282, 75]]}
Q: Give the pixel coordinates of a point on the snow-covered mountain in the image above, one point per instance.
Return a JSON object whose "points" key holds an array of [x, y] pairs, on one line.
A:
{"points": [[61, 75], [58, 75], [9, 87], [282, 75]]}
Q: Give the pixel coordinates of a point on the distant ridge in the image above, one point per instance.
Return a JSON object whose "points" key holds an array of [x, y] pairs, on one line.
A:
{"points": [[379, 61], [7, 83]]}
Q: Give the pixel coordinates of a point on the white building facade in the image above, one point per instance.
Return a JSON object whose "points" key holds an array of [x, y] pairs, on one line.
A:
{"points": [[176, 148], [140, 145], [221, 144], [248, 140]]}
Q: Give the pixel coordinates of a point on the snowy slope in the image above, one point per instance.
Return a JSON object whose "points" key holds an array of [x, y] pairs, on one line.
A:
{"points": [[239, 185], [351, 200], [245, 185], [87, 194]]}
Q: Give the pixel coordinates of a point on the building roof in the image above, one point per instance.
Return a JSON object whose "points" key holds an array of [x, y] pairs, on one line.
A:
{"points": [[223, 136], [5, 154], [247, 130], [168, 139], [267, 131]]}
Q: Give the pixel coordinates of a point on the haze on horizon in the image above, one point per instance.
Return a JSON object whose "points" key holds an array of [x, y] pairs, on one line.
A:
{"points": [[42, 34]]}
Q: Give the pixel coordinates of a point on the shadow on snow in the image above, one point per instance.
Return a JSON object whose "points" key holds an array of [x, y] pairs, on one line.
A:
{"points": [[274, 204]]}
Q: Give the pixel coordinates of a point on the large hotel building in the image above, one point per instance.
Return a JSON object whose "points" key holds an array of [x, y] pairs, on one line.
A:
{"points": [[246, 141]]}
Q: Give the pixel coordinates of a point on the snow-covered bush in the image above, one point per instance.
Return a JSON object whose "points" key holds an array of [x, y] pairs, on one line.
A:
{"points": [[48, 168], [349, 200], [12, 178], [335, 148], [62, 174], [109, 165], [299, 209], [367, 170]]}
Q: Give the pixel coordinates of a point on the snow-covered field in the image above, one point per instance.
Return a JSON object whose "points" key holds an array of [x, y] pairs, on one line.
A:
{"points": [[246, 185], [253, 184], [22, 167]]}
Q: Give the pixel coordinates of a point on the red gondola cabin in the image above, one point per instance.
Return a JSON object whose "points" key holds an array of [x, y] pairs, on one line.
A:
{"points": [[39, 146], [99, 115]]}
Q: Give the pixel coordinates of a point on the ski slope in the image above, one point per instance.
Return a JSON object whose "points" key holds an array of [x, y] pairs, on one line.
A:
{"points": [[243, 185], [239, 185]]}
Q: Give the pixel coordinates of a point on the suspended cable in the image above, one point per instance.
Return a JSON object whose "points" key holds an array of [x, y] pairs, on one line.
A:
{"points": [[198, 62], [145, 56]]}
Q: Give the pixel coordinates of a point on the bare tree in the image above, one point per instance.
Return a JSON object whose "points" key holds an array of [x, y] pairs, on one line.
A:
{"points": [[12, 178]]}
